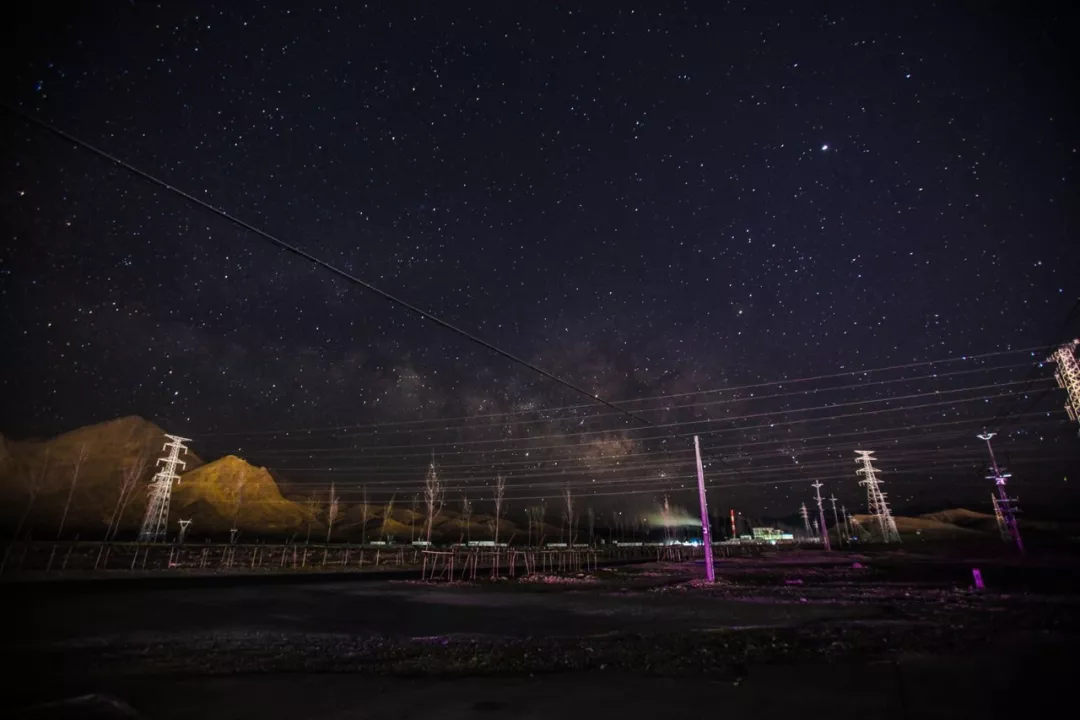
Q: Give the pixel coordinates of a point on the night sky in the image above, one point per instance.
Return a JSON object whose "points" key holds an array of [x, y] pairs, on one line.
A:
{"points": [[647, 199]]}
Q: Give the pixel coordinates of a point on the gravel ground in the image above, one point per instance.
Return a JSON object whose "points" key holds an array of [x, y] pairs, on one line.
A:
{"points": [[236, 651], [653, 619]]}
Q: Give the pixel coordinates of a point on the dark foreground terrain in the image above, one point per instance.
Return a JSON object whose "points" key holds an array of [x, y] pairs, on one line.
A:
{"points": [[885, 636]]}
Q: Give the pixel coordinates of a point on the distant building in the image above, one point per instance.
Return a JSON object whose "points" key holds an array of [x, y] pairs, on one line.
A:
{"points": [[771, 535]]}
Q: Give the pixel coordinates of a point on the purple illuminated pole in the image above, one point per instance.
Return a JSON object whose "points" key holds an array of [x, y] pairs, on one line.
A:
{"points": [[1007, 504], [706, 537]]}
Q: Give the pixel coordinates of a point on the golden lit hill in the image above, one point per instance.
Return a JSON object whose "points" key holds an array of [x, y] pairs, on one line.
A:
{"points": [[90, 463], [228, 493], [961, 517], [924, 525], [94, 463]]}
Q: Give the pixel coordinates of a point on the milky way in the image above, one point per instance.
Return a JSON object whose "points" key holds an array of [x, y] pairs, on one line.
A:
{"points": [[658, 200]]}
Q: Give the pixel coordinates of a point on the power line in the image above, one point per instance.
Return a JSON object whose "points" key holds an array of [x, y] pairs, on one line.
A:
{"points": [[596, 474], [794, 443], [664, 438], [1000, 423], [669, 426], [637, 461], [954, 457], [382, 431], [401, 423]]}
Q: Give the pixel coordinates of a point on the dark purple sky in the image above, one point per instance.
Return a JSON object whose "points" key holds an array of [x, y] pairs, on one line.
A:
{"points": [[647, 199]]}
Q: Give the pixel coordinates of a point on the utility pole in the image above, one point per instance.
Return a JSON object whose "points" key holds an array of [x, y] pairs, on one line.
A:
{"points": [[155, 521], [706, 537], [1068, 377], [836, 521], [1005, 504], [847, 522], [806, 520], [875, 498], [821, 516]]}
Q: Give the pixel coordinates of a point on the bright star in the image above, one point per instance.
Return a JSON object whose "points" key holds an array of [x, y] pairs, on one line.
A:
{"points": [[824, 147]]}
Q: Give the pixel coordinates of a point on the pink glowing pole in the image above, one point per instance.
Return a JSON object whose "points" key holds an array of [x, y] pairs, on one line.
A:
{"points": [[1008, 505], [706, 538]]}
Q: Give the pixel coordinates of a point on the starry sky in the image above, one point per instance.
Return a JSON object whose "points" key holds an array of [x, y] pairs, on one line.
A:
{"points": [[694, 209]]}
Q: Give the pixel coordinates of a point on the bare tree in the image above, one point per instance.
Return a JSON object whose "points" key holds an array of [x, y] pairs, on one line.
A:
{"points": [[313, 507], [413, 510], [32, 489], [434, 494], [387, 514], [568, 498], [79, 460], [332, 511], [238, 501], [131, 473], [466, 519], [365, 515], [665, 512], [542, 519], [500, 493]]}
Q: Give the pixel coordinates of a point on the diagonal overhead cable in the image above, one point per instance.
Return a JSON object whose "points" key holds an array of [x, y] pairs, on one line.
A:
{"points": [[297, 251]]}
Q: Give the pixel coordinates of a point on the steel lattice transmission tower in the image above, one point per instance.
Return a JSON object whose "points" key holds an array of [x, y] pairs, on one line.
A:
{"points": [[821, 516], [1068, 377], [155, 522], [806, 520], [1004, 505], [875, 499]]}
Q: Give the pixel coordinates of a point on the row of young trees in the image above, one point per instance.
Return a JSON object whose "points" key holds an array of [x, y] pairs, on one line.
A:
{"points": [[433, 500], [130, 474]]}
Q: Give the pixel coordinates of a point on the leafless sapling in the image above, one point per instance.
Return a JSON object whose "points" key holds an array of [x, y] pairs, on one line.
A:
{"points": [[80, 458], [129, 480], [500, 493], [387, 514], [333, 509], [434, 494], [466, 519], [568, 499], [414, 506], [365, 516], [237, 503], [32, 490], [313, 506]]}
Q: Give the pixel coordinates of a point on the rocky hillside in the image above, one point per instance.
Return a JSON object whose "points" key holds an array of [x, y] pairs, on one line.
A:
{"points": [[37, 476], [228, 493]]}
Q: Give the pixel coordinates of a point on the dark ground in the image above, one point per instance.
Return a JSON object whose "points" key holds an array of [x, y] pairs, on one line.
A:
{"points": [[805, 634]]}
